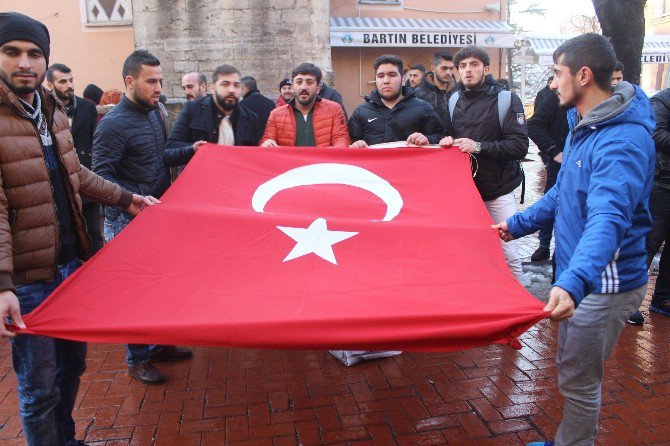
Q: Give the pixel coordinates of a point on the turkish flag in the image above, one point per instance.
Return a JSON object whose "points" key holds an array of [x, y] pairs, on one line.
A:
{"points": [[302, 248]]}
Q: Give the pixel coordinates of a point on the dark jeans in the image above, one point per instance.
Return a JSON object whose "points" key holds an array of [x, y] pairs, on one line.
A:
{"points": [[552, 173], [659, 205], [91, 213], [48, 371], [135, 353]]}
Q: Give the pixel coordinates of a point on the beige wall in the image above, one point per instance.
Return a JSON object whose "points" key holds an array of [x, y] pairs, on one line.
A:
{"points": [[95, 54], [426, 9], [352, 67]]}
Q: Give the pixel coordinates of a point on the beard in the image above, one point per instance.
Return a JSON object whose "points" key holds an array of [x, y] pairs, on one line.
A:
{"points": [[22, 89], [307, 101], [64, 96], [225, 103], [146, 103], [572, 101], [474, 83]]}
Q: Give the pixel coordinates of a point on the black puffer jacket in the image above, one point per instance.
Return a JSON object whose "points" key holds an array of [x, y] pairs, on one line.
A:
{"points": [[439, 99], [129, 150], [375, 123], [548, 127], [661, 136], [476, 117]]}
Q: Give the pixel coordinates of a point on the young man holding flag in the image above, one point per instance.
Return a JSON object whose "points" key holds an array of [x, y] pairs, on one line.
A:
{"points": [[600, 210]]}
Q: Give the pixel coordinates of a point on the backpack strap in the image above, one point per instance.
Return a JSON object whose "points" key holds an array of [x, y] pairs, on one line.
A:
{"points": [[504, 103], [452, 104]]}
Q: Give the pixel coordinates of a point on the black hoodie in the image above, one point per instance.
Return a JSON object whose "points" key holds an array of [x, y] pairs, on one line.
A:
{"points": [[375, 123], [476, 117]]}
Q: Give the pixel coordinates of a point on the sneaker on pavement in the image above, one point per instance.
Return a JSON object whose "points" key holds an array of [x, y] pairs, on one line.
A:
{"points": [[541, 443], [662, 307], [636, 318], [540, 254], [146, 373], [170, 353]]}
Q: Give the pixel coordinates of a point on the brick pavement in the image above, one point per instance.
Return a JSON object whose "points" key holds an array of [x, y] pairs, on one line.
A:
{"points": [[485, 396]]}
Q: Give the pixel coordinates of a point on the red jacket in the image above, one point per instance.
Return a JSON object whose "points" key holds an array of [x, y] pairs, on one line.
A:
{"points": [[330, 126]]}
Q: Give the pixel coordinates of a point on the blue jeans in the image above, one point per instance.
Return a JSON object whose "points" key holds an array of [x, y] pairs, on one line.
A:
{"points": [[135, 353], [114, 225], [48, 371]]}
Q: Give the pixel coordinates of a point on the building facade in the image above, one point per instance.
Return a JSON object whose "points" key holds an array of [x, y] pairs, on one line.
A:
{"points": [[265, 39], [362, 30], [93, 37]]}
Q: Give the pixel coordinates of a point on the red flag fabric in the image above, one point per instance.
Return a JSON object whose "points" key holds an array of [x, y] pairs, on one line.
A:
{"points": [[302, 248]]}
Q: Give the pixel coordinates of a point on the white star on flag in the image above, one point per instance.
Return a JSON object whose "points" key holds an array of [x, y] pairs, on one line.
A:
{"points": [[315, 239]]}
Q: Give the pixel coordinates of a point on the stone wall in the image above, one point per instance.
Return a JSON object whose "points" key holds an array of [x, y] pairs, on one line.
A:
{"points": [[263, 39]]}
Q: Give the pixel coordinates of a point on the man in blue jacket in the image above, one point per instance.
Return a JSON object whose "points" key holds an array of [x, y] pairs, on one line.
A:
{"points": [[599, 206]]}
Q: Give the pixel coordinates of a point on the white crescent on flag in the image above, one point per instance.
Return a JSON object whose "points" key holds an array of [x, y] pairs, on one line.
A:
{"points": [[330, 173]]}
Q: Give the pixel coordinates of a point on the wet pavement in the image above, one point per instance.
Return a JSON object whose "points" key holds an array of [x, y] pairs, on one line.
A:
{"points": [[485, 396]]}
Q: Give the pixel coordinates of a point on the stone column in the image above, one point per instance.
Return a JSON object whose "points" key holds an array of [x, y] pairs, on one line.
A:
{"points": [[263, 39]]}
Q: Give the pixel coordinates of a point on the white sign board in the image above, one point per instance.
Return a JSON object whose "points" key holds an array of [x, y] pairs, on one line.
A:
{"points": [[419, 39]]}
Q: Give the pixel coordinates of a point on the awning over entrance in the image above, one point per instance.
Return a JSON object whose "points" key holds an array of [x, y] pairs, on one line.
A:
{"points": [[404, 32], [540, 48]]}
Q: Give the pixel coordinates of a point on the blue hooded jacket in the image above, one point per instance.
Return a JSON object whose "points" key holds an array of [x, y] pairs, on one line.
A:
{"points": [[600, 200]]}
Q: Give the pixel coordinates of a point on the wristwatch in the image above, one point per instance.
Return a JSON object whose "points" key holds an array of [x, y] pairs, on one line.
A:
{"points": [[478, 147]]}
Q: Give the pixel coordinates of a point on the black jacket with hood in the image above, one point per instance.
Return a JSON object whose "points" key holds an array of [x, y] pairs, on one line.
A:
{"points": [[476, 117], [436, 97], [375, 123], [548, 127], [661, 137]]}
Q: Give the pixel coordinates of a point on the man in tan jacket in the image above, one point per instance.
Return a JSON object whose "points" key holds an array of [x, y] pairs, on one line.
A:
{"points": [[42, 230]]}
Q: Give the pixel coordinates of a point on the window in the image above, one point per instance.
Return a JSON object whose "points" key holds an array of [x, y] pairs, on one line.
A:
{"points": [[108, 12]]}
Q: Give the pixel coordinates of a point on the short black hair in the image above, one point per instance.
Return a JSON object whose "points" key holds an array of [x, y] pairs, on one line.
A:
{"points": [[249, 82], [307, 68], [133, 64], [618, 66], [472, 51], [202, 79], [222, 70], [57, 67], [589, 50], [388, 58], [418, 67], [440, 56]]}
